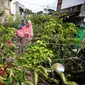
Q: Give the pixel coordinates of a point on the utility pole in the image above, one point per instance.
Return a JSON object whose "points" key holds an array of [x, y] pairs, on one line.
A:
{"points": [[59, 5]]}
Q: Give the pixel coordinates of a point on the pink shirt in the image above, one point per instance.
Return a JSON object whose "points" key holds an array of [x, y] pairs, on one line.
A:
{"points": [[26, 32]]}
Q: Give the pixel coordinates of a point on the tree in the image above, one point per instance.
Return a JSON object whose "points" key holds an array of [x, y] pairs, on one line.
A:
{"points": [[40, 12], [49, 11], [27, 11]]}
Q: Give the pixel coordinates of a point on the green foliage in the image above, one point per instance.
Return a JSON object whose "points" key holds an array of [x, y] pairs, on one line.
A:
{"points": [[57, 35], [40, 12], [13, 21], [27, 11], [6, 34], [36, 53], [52, 37]]}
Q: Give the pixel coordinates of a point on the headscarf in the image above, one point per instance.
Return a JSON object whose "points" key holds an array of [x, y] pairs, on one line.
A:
{"points": [[24, 30]]}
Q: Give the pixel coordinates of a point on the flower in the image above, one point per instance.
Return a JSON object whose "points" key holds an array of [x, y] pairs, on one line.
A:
{"points": [[2, 72], [9, 42], [11, 66], [1, 83], [1, 50]]}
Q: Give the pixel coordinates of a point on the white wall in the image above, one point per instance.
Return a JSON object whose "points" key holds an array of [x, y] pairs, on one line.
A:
{"points": [[69, 3], [13, 9]]}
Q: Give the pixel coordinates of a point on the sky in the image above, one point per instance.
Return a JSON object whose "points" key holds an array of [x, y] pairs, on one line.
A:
{"points": [[68, 3], [39, 5]]}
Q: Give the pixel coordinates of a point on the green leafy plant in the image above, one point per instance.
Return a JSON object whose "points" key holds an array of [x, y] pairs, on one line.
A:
{"points": [[52, 37]]}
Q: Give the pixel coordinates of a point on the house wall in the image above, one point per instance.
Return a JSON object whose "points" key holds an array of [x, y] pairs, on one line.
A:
{"points": [[4, 9], [8, 7], [15, 7], [1, 6], [7, 10], [1, 10]]}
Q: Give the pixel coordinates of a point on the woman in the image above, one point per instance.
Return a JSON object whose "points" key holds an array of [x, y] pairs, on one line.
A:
{"points": [[25, 35]]}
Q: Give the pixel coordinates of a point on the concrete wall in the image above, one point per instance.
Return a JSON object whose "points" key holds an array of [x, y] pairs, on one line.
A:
{"points": [[4, 9], [1, 6], [8, 7], [7, 10], [1, 10], [15, 7]]}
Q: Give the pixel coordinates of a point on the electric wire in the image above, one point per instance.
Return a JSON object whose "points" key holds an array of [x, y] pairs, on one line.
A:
{"points": [[34, 4], [53, 3]]}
